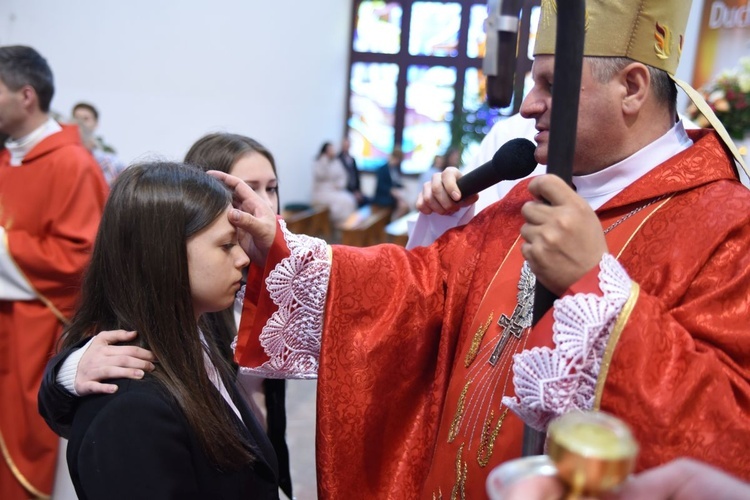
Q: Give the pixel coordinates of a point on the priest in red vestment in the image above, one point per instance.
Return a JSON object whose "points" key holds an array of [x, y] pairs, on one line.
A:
{"points": [[51, 198], [427, 365]]}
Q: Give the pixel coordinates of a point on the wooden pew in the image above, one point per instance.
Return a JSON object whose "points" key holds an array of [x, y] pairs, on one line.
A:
{"points": [[313, 221], [366, 226]]}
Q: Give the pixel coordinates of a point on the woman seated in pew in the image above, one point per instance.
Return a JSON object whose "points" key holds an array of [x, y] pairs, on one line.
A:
{"points": [[329, 185]]}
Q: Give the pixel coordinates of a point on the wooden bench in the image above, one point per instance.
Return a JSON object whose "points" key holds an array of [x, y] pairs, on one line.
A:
{"points": [[313, 221], [366, 226]]}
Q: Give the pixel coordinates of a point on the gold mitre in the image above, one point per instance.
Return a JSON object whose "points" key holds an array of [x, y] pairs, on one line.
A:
{"points": [[648, 31]]}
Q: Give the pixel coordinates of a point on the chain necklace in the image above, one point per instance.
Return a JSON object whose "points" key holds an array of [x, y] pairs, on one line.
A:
{"points": [[632, 213]]}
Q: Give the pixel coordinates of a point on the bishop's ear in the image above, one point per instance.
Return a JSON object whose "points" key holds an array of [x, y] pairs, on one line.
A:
{"points": [[636, 81]]}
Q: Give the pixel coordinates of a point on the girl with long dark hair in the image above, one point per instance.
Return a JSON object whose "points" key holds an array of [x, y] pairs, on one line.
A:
{"points": [[165, 256]]}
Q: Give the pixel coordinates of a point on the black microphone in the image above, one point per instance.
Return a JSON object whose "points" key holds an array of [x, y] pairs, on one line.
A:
{"points": [[502, 44], [514, 160]]}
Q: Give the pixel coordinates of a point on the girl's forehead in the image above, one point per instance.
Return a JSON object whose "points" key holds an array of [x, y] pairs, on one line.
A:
{"points": [[253, 166]]}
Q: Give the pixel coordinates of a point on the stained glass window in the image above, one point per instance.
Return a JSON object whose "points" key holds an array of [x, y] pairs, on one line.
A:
{"points": [[477, 40], [378, 27], [434, 29], [372, 104], [430, 94]]}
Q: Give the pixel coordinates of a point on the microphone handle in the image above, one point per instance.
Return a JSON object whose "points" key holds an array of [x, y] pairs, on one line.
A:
{"points": [[476, 181]]}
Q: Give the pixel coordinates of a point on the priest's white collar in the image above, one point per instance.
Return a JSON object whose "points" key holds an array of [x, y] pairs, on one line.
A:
{"points": [[600, 187], [19, 148]]}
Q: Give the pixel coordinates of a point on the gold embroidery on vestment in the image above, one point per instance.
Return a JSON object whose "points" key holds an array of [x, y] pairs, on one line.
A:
{"points": [[487, 443], [476, 341], [614, 338], [459, 489], [453, 432]]}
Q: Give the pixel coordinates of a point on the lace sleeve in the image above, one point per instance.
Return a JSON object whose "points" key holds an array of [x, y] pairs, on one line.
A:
{"points": [[551, 382], [297, 286]]}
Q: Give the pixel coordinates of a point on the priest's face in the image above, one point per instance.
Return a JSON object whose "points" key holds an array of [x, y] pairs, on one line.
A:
{"points": [[12, 115], [598, 112]]}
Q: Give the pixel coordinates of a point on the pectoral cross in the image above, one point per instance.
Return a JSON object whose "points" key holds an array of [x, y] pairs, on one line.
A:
{"points": [[511, 326], [520, 320]]}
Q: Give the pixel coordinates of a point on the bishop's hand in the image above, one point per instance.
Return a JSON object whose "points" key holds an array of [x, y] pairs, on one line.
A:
{"points": [[441, 195], [253, 218], [563, 236]]}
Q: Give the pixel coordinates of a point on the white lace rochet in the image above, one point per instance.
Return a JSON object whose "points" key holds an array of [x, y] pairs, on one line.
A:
{"points": [[551, 382], [297, 286]]}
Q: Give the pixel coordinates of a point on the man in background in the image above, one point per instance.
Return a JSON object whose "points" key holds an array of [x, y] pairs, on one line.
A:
{"points": [[87, 118], [51, 198]]}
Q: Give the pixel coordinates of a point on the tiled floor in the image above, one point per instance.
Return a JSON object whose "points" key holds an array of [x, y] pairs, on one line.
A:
{"points": [[300, 409]]}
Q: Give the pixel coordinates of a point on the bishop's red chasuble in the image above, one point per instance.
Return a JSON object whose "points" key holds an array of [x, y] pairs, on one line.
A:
{"points": [[50, 207], [423, 353]]}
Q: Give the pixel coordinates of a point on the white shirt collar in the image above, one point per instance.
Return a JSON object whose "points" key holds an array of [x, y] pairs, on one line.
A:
{"points": [[600, 187], [19, 148], [213, 375]]}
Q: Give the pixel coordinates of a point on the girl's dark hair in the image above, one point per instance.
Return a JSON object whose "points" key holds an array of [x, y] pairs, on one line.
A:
{"points": [[220, 151], [138, 280]]}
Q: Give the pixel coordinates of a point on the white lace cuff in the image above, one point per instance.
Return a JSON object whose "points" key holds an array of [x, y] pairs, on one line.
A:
{"points": [[551, 382], [297, 286]]}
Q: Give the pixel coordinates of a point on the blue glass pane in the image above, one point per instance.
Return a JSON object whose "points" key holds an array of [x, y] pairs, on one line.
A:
{"points": [[434, 29], [430, 94], [372, 101], [378, 27], [477, 42]]}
